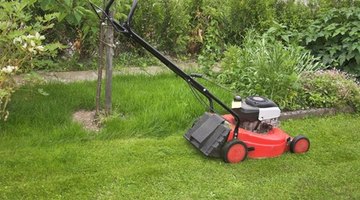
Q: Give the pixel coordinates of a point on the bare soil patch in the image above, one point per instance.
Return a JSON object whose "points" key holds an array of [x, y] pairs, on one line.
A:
{"points": [[87, 120]]}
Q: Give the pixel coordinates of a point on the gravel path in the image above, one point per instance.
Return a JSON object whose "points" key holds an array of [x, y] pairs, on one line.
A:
{"points": [[74, 76]]}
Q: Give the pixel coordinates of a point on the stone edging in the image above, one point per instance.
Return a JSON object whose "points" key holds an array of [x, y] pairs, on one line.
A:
{"points": [[314, 112]]}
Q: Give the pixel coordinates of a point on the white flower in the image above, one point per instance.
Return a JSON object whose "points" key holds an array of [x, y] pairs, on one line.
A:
{"points": [[17, 40], [32, 43], [9, 69], [24, 45], [40, 48], [30, 36], [37, 35], [32, 50]]}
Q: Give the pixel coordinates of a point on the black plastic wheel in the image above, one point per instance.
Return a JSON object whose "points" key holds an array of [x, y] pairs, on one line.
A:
{"points": [[300, 144], [234, 151]]}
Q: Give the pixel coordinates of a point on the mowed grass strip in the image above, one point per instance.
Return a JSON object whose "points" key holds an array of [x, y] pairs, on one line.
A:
{"points": [[141, 154]]}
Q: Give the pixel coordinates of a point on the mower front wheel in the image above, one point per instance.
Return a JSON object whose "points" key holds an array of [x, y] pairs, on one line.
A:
{"points": [[300, 144], [234, 151]]}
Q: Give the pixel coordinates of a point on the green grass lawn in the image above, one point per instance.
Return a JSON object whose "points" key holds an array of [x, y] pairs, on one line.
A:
{"points": [[141, 153]]}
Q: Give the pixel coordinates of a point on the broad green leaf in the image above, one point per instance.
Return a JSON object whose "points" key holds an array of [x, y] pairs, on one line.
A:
{"points": [[78, 17], [357, 58], [350, 55], [46, 4], [62, 16], [68, 3], [342, 58], [49, 17], [285, 38]]}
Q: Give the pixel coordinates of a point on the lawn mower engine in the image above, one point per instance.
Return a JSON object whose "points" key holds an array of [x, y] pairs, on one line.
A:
{"points": [[258, 135], [257, 114]]}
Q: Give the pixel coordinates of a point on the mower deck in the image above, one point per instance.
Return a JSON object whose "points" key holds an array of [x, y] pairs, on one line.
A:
{"points": [[273, 143]]}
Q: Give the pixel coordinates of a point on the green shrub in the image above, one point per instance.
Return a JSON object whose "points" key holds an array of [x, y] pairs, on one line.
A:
{"points": [[209, 26], [21, 44], [294, 14], [335, 37], [164, 23], [286, 74], [179, 27], [228, 22], [268, 68], [76, 23], [330, 88], [248, 14]]}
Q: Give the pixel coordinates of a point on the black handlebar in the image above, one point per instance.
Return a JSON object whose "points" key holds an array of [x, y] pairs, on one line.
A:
{"points": [[131, 13], [107, 8]]}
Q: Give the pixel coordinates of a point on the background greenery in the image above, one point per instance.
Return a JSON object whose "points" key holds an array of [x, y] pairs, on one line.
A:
{"points": [[204, 28]]}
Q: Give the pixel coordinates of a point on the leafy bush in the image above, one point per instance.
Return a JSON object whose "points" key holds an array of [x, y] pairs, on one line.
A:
{"points": [[289, 75], [209, 27], [335, 37], [294, 14], [6, 89], [330, 88], [248, 14], [21, 44], [180, 27], [77, 25], [230, 20], [164, 23], [267, 68]]}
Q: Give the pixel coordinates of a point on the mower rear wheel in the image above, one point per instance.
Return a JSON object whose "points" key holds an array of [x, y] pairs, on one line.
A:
{"points": [[300, 144], [234, 151]]}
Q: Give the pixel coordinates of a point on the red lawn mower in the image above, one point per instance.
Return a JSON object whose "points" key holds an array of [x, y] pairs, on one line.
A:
{"points": [[249, 130]]}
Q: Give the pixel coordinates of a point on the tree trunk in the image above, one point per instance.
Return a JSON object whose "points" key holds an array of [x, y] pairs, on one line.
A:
{"points": [[100, 67], [109, 39]]}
